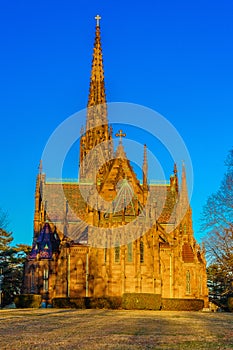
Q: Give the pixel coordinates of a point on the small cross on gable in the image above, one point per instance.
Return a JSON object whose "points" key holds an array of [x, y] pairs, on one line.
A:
{"points": [[120, 134]]}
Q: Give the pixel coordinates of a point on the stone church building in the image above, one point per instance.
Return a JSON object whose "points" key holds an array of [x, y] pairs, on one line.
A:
{"points": [[106, 233]]}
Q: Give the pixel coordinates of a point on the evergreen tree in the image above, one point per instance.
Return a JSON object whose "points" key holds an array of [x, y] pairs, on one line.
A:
{"points": [[11, 263]]}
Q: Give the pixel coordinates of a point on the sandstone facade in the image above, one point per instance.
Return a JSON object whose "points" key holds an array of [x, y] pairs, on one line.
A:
{"points": [[107, 233]]}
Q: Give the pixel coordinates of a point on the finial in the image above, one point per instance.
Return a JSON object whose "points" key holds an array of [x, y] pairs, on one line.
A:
{"points": [[145, 155], [98, 18], [120, 134], [183, 169], [175, 169], [145, 168]]}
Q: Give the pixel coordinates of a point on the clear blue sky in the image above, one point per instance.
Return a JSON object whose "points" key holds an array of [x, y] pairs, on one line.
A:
{"points": [[175, 57]]}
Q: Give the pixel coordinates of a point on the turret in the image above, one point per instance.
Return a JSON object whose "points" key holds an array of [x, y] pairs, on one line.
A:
{"points": [[184, 212]]}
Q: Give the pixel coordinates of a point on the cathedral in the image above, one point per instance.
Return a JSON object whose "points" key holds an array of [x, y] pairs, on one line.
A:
{"points": [[107, 233]]}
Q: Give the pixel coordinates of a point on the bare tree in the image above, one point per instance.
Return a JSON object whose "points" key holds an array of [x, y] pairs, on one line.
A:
{"points": [[217, 224]]}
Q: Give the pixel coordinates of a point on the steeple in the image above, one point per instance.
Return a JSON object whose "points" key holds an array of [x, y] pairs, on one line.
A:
{"points": [[97, 131], [97, 96]]}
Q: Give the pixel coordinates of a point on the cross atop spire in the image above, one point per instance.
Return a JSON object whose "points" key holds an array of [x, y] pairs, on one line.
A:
{"points": [[120, 134], [98, 18]]}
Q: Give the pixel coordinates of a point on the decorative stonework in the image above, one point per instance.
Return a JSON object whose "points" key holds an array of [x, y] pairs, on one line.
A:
{"points": [[158, 254]]}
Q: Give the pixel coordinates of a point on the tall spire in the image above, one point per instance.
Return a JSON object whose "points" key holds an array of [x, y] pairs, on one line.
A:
{"points": [[97, 131], [97, 96]]}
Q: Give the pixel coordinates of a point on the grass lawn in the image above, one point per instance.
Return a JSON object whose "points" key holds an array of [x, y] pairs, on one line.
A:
{"points": [[114, 329]]}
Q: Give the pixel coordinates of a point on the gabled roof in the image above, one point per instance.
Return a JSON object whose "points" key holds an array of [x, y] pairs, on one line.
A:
{"points": [[58, 195]]}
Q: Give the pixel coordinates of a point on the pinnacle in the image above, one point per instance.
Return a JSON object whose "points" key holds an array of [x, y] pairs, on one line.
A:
{"points": [[120, 152]]}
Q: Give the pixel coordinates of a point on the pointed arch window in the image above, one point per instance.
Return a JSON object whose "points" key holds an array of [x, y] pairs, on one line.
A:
{"points": [[32, 280], [188, 285], [141, 252], [130, 252], [117, 253]]}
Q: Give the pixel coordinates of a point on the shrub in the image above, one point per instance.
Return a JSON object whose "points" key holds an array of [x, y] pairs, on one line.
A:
{"points": [[141, 301], [173, 304], [105, 303], [27, 301], [63, 303], [88, 303], [230, 303], [79, 303]]}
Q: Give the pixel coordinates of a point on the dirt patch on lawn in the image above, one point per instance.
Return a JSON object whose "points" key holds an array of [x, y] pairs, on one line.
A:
{"points": [[114, 329]]}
